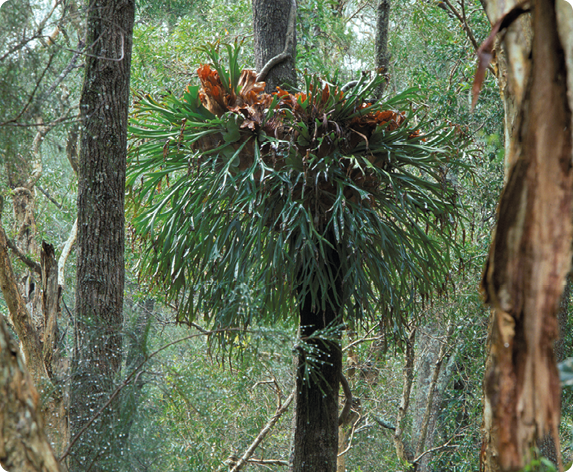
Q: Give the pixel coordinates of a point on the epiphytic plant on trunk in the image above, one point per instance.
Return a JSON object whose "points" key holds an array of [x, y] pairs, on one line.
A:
{"points": [[252, 206]]}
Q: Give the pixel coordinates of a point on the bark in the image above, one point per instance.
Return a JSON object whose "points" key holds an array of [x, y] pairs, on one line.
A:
{"points": [[104, 106], [382, 29], [271, 23], [23, 444], [530, 256], [317, 384], [402, 451], [19, 316], [35, 324]]}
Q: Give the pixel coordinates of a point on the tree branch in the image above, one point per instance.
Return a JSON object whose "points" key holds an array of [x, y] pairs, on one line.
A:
{"points": [[347, 402], [464, 24], [432, 389], [65, 254], [249, 452], [133, 375], [19, 315], [32, 264]]}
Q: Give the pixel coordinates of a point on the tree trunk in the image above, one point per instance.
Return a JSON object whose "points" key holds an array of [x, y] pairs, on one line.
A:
{"points": [[271, 24], [104, 107], [382, 30], [317, 384], [23, 444], [530, 256]]}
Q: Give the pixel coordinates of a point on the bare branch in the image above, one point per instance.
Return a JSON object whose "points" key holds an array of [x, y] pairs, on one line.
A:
{"points": [[31, 263], [249, 452], [434, 449], [408, 374]]}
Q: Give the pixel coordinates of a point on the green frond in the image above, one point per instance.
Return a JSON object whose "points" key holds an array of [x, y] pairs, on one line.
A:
{"points": [[237, 213]]}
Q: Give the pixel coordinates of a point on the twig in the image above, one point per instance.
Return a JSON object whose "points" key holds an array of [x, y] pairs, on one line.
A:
{"points": [[32, 95], [268, 462], [249, 452], [288, 44]]}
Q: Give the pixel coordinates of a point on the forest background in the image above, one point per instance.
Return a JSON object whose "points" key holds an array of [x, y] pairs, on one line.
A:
{"points": [[191, 404]]}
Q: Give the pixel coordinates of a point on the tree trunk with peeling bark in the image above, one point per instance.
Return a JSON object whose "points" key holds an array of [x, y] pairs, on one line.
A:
{"points": [[23, 445], [43, 361], [531, 252]]}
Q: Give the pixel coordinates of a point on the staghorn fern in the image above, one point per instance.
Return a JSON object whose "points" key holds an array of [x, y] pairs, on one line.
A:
{"points": [[237, 195]]}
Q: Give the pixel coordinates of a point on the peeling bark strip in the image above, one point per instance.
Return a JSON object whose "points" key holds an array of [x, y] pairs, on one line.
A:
{"points": [[19, 315], [530, 256], [23, 445]]}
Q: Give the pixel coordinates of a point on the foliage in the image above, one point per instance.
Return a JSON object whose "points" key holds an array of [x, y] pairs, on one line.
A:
{"points": [[237, 195]]}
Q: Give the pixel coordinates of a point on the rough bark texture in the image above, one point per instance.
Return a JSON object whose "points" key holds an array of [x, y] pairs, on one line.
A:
{"points": [[402, 451], [23, 445], [382, 29], [104, 106], [530, 256], [270, 22], [317, 386]]}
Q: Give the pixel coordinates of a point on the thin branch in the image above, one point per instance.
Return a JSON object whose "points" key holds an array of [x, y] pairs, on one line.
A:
{"points": [[434, 449], [357, 11], [384, 423], [134, 375], [49, 197], [351, 437], [288, 44], [432, 388], [268, 462], [362, 340], [408, 374], [62, 119], [32, 95], [31, 263], [464, 23], [71, 66], [249, 452]]}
